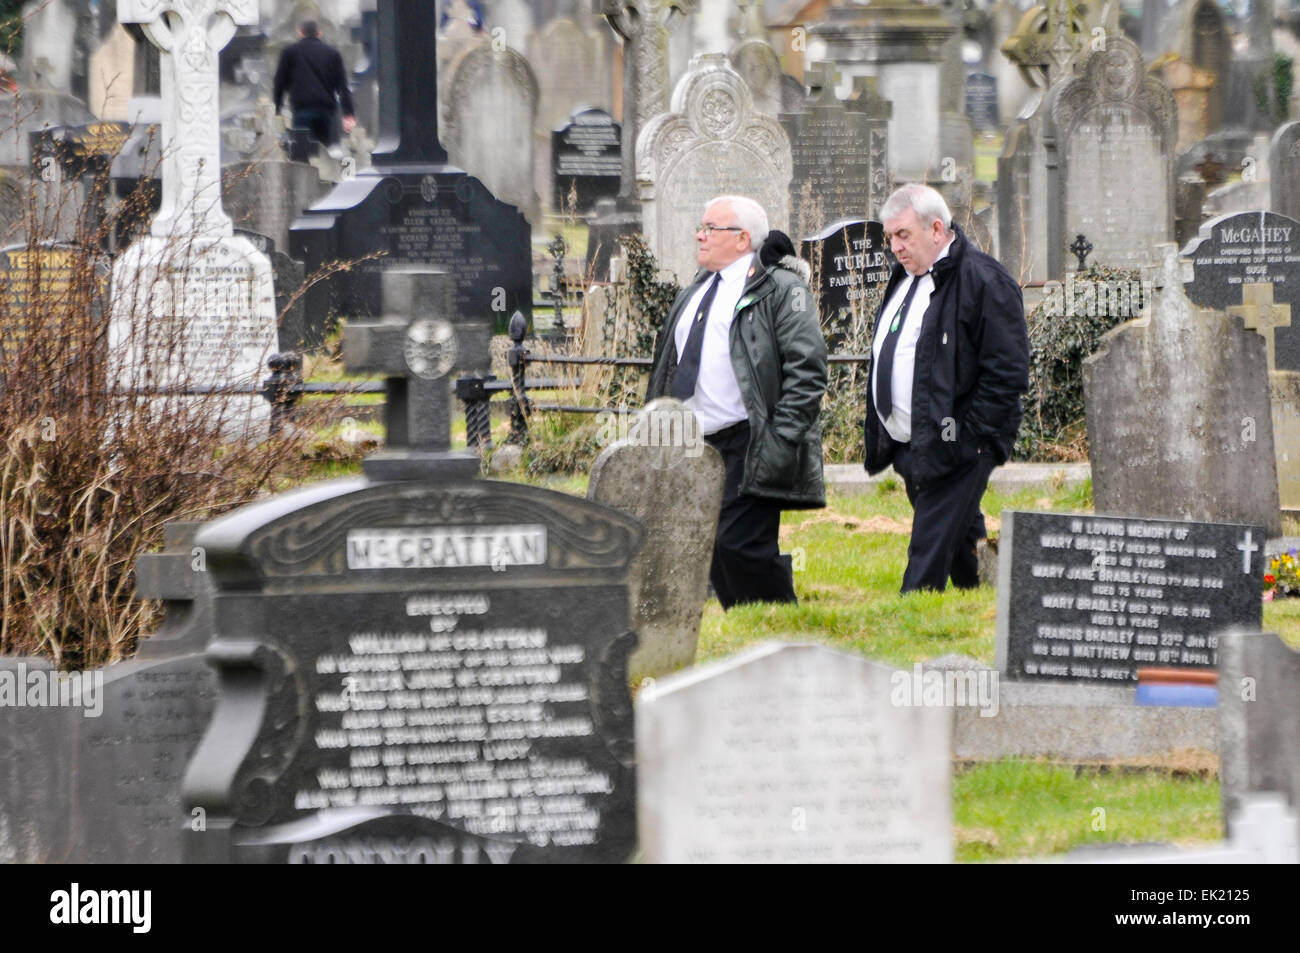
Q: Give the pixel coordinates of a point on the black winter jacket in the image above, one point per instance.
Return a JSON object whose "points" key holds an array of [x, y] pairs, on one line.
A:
{"points": [[311, 72], [972, 365]]}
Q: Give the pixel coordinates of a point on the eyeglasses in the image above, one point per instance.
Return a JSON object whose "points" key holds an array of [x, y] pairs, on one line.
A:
{"points": [[709, 229]]}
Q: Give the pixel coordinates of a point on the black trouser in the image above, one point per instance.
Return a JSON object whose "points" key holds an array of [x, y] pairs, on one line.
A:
{"points": [[747, 564], [946, 524], [319, 121]]}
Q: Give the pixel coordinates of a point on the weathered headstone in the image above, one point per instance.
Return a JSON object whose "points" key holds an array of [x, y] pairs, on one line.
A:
{"points": [[662, 473], [839, 151], [267, 195], [487, 81], [1086, 598], [757, 63], [1179, 419], [193, 305], [412, 207], [712, 143], [792, 753], [1259, 720], [1284, 171], [1110, 160], [439, 671], [849, 262], [586, 156]]}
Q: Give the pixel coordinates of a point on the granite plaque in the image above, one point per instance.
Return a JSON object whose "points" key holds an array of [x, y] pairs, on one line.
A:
{"points": [[419, 673], [585, 154], [1094, 598]]}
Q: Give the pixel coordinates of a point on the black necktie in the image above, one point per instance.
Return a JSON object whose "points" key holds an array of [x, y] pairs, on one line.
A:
{"points": [[688, 364], [885, 366]]}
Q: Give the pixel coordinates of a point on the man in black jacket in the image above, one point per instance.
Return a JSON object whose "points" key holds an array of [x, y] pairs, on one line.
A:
{"points": [[950, 360], [311, 72]]}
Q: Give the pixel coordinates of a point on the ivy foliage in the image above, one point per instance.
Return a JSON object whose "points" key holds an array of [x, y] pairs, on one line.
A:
{"points": [[1064, 328]]}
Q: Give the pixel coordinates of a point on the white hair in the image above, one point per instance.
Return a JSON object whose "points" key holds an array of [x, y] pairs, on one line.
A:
{"points": [[749, 216], [928, 205]]}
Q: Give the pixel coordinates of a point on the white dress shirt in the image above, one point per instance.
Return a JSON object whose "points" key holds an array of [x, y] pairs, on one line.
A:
{"points": [[899, 422], [717, 402]]}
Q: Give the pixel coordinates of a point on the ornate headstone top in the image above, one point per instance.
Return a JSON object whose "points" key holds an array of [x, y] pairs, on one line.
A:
{"points": [[190, 35]]}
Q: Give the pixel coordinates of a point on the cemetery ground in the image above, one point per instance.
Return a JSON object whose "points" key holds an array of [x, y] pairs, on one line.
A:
{"points": [[849, 559]]}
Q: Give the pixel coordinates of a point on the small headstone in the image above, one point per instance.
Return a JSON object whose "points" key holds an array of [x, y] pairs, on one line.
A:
{"points": [[662, 473], [443, 678], [47, 272], [756, 61], [712, 143], [1112, 131], [571, 69], [1284, 169], [1179, 418], [1085, 598], [586, 156], [289, 277], [268, 195], [849, 261], [792, 754], [982, 101]]}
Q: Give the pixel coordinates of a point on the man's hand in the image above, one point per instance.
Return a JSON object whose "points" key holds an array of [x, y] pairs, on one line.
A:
{"points": [[349, 123]]}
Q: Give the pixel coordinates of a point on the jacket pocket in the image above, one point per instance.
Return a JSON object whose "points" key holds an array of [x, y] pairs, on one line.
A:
{"points": [[777, 461]]}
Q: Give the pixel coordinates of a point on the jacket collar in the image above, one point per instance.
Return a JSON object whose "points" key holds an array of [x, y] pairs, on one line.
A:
{"points": [[756, 284]]}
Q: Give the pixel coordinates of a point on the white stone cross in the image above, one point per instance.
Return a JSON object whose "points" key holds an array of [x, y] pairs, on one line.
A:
{"points": [[1247, 548], [190, 35]]}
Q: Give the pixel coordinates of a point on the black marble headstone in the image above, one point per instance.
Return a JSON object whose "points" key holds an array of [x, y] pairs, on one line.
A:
{"points": [[850, 260], [585, 155], [1250, 248], [288, 276], [982, 101], [411, 207], [1085, 598], [87, 148], [419, 673]]}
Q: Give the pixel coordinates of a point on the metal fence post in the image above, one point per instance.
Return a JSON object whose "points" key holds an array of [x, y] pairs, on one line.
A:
{"points": [[518, 359], [283, 387]]}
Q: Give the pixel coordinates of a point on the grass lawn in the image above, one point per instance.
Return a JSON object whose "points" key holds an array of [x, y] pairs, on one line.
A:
{"points": [[849, 559]]}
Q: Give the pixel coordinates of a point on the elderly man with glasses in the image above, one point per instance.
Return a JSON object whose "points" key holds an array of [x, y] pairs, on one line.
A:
{"points": [[742, 347]]}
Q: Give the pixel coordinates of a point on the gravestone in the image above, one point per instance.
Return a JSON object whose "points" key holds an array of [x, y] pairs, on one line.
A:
{"points": [[838, 150], [662, 473], [1249, 265], [498, 82], [289, 277], [757, 63], [849, 260], [439, 663], [97, 778], [789, 754], [1191, 437], [50, 274], [192, 303], [1110, 140], [1085, 598], [1259, 722], [573, 72], [712, 143], [267, 195], [982, 101], [586, 156], [1284, 169], [411, 207], [900, 43]]}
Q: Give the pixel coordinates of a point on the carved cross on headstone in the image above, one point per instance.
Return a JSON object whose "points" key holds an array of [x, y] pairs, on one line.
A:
{"points": [[644, 26], [821, 78], [416, 347], [1259, 313], [190, 35]]}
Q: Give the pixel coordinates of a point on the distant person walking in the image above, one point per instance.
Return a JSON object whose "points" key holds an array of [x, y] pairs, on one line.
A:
{"points": [[311, 73]]}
